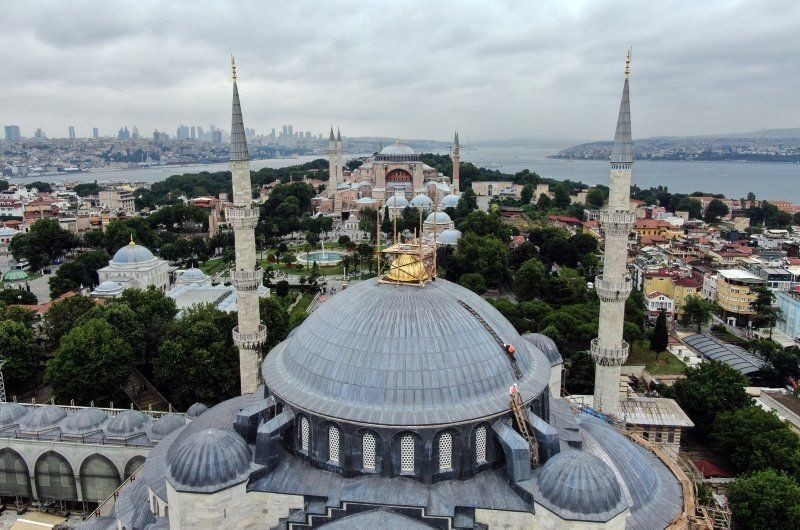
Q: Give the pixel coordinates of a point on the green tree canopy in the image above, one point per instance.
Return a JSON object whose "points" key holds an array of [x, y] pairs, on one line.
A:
{"points": [[45, 242], [532, 280], [80, 271], [659, 340], [485, 224], [767, 315], [715, 210], [596, 197], [474, 282], [766, 499], [22, 354], [17, 296], [92, 363], [87, 188], [484, 255], [693, 206], [276, 318], [155, 310], [697, 311], [62, 317]]}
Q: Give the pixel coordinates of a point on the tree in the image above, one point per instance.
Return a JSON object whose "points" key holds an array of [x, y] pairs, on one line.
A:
{"points": [[544, 202], [87, 188], [123, 319], [715, 210], [468, 202], [692, 206], [766, 499], [531, 280], [580, 373], [92, 363], [312, 238], [343, 240], [200, 347], [282, 288], [80, 271], [45, 242], [659, 340], [697, 310], [41, 187], [17, 296], [484, 224], [596, 197], [120, 231], [276, 318], [753, 439], [766, 314], [487, 256], [708, 390], [561, 196], [526, 194], [156, 311], [474, 282], [62, 317], [22, 354]]}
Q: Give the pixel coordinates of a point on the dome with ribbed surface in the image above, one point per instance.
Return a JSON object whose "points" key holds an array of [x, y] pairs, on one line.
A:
{"points": [[42, 418], [421, 201], [210, 458], [396, 201], [580, 483], [439, 218], [167, 423], [132, 254], [127, 423], [450, 201], [11, 413], [394, 354], [546, 345], [195, 410], [449, 237], [15, 275], [397, 148], [83, 421]]}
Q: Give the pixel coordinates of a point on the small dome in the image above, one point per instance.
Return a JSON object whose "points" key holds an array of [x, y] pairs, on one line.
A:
{"points": [[441, 186], [193, 273], [211, 457], [546, 344], [127, 423], [439, 218], [10, 413], [397, 149], [107, 288], [132, 254], [396, 201], [15, 275], [450, 201], [421, 201], [42, 418], [195, 410], [167, 423], [83, 421], [579, 482], [449, 237]]}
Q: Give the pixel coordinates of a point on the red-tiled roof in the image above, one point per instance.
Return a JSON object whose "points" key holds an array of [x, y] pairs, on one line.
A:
{"points": [[564, 219], [710, 469]]}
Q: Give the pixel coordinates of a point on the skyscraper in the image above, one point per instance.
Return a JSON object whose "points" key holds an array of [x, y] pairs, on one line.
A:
{"points": [[250, 334], [194, 133], [12, 133], [95, 133], [182, 132], [71, 132], [609, 350]]}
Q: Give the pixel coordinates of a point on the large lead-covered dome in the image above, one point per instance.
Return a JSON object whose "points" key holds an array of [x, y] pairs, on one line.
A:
{"points": [[132, 254], [395, 355]]}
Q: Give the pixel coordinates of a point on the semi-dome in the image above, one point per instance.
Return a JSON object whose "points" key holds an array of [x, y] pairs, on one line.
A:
{"points": [[397, 148], [83, 421], [15, 275], [546, 345], [449, 237], [166, 424], [579, 482], [107, 288], [449, 201], [393, 354], [421, 201], [396, 201], [210, 458], [11, 413], [132, 254], [195, 410], [42, 418], [127, 423], [439, 218]]}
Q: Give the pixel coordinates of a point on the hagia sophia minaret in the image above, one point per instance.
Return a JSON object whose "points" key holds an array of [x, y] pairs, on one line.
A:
{"points": [[456, 166], [609, 350], [333, 169], [250, 334], [339, 166]]}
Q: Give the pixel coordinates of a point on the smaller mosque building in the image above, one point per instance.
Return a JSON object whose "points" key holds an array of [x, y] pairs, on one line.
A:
{"points": [[133, 267]]}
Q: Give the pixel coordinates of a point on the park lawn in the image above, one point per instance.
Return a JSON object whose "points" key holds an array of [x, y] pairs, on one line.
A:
{"points": [[214, 266], [641, 354], [298, 313]]}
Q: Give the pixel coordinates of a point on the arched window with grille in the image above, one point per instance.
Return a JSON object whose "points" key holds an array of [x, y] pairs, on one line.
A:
{"points": [[99, 478], [368, 451], [445, 451], [480, 444], [407, 454], [304, 434], [333, 444], [54, 478], [14, 480]]}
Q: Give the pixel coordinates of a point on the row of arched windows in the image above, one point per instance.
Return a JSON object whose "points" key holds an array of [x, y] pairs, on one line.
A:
{"points": [[407, 448]]}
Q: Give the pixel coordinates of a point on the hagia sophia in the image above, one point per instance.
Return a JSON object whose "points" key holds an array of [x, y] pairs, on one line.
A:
{"points": [[393, 405]]}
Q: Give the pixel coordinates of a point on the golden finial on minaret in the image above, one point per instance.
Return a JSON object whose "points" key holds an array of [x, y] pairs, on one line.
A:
{"points": [[233, 67], [628, 65]]}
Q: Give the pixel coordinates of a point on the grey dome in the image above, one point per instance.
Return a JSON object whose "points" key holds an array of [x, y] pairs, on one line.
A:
{"points": [[450, 201], [402, 355], [193, 273], [132, 254], [439, 218], [397, 149], [108, 287], [195, 410], [42, 418], [167, 423], [11, 413], [210, 458], [421, 201], [127, 423], [546, 345], [449, 237], [580, 483], [397, 201], [83, 421]]}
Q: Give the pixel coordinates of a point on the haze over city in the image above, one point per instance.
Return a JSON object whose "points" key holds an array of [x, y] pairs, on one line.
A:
{"points": [[494, 70]]}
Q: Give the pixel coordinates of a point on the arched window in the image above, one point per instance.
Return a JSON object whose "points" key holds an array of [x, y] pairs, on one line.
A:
{"points": [[480, 444], [54, 478], [368, 451], [304, 434], [133, 464], [407, 454], [445, 451], [333, 444], [99, 478], [14, 481]]}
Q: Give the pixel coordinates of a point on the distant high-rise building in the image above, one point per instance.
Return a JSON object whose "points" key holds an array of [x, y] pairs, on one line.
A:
{"points": [[193, 133], [290, 131], [216, 136], [284, 131], [12, 133], [272, 134], [182, 132], [71, 132], [95, 133], [135, 134], [39, 135], [124, 133]]}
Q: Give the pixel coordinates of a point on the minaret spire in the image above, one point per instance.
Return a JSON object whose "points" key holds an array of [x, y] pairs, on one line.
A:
{"points": [[333, 166], [456, 165], [609, 350], [250, 334]]}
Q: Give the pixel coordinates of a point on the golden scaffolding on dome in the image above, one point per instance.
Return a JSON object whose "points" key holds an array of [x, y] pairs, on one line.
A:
{"points": [[411, 263]]}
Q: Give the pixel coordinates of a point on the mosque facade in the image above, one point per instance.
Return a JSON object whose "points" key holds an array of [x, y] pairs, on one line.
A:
{"points": [[132, 267]]}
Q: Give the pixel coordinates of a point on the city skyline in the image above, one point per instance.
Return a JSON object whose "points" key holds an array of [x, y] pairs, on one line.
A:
{"points": [[716, 68]]}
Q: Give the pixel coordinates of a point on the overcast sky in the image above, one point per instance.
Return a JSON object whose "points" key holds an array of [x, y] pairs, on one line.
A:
{"points": [[491, 69]]}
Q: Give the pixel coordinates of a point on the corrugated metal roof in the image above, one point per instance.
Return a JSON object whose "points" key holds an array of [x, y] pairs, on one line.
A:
{"points": [[734, 356], [653, 411]]}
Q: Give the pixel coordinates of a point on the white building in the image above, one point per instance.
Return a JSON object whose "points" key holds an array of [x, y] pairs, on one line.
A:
{"points": [[135, 267]]}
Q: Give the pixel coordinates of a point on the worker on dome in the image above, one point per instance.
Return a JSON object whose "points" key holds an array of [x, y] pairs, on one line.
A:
{"points": [[510, 349]]}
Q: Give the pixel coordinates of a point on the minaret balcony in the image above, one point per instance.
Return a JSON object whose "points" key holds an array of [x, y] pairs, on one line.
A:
{"points": [[247, 280], [618, 222], [251, 340], [609, 356], [242, 217], [613, 290]]}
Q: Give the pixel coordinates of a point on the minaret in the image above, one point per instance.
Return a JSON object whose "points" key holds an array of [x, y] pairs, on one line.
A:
{"points": [[613, 287], [250, 334], [333, 171], [339, 163], [456, 166]]}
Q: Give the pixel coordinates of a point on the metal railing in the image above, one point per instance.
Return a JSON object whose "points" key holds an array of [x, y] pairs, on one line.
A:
{"points": [[250, 340], [609, 356]]}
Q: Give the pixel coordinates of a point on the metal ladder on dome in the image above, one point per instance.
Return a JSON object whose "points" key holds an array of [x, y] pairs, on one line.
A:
{"points": [[497, 339], [522, 425]]}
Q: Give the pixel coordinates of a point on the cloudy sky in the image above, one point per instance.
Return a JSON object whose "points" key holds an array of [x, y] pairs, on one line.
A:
{"points": [[492, 69]]}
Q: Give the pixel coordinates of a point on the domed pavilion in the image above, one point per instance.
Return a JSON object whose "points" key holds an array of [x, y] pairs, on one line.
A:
{"points": [[134, 267]]}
